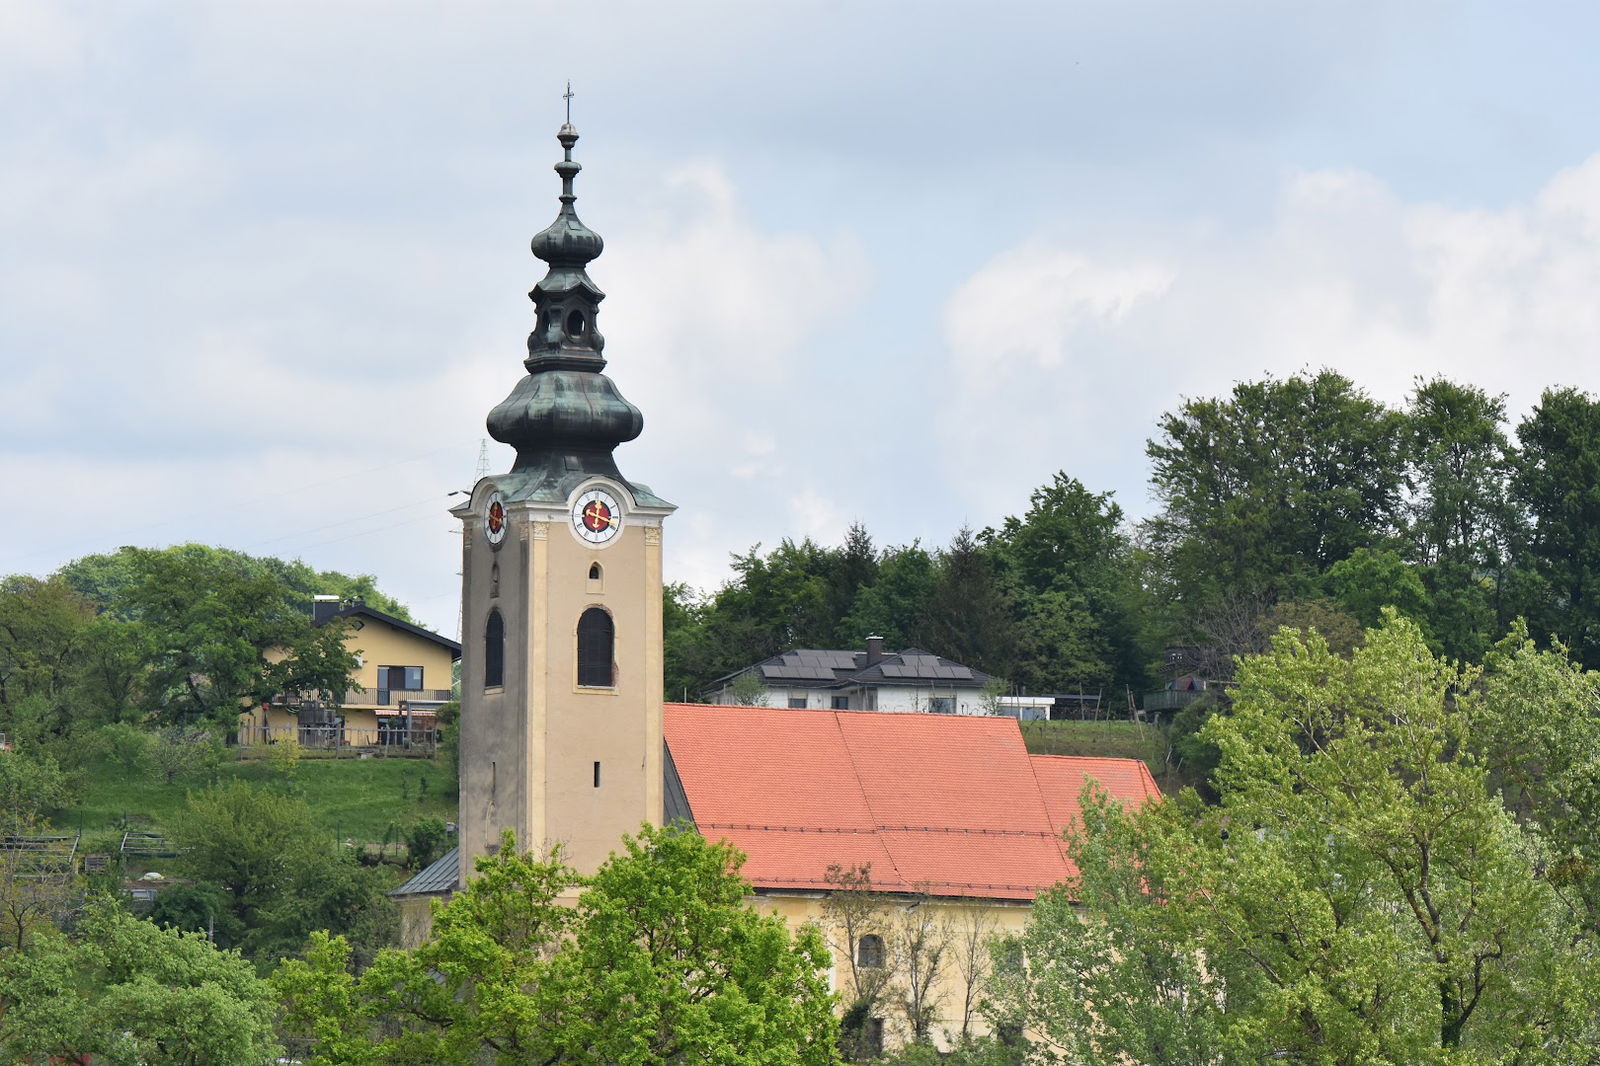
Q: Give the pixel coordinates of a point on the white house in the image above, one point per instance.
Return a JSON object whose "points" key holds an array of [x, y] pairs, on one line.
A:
{"points": [[909, 681]]}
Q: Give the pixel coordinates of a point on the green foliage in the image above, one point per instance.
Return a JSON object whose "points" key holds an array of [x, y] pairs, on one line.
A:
{"points": [[181, 751], [1558, 481], [425, 841], [283, 755], [968, 616], [659, 960], [895, 605], [128, 992], [209, 621], [1266, 489], [1051, 598], [349, 797], [31, 784], [45, 628], [1066, 565], [279, 875], [1360, 894], [1367, 581], [182, 633], [747, 690], [126, 748]]}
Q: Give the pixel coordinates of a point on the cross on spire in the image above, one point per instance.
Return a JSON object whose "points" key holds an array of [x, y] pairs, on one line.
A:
{"points": [[567, 96]]}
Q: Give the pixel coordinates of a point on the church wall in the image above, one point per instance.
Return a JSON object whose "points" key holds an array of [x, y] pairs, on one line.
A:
{"points": [[494, 732], [957, 917], [618, 728], [530, 746]]}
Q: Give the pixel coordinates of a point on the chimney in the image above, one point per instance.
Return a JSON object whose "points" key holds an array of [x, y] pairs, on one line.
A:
{"points": [[874, 650], [323, 608]]}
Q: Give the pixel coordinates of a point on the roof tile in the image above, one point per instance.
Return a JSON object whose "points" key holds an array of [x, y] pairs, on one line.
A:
{"points": [[949, 804]]}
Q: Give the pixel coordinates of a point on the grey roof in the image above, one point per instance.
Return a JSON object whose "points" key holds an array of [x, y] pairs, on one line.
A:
{"points": [[441, 875], [825, 668]]}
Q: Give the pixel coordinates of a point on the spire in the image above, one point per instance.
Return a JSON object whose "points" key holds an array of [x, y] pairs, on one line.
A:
{"points": [[566, 299], [566, 416]]}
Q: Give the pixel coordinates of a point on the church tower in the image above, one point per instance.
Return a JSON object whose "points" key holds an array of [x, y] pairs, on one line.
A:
{"points": [[561, 590]]}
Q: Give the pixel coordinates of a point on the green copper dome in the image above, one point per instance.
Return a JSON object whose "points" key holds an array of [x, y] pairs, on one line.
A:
{"points": [[565, 416]]}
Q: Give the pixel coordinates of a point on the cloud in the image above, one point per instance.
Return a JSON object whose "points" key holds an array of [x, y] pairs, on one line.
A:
{"points": [[1074, 350]]}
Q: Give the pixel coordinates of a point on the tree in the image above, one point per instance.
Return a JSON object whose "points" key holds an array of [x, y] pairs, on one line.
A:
{"points": [[924, 944], [209, 623], [857, 923], [126, 991], [1461, 522], [44, 628], [1558, 481], [659, 960], [278, 873], [1111, 965], [1065, 566], [971, 932], [968, 616], [1533, 722], [895, 605], [1360, 894], [1263, 491], [1367, 581]]}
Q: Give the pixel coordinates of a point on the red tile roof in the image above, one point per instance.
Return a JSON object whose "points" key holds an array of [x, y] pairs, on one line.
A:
{"points": [[948, 804]]}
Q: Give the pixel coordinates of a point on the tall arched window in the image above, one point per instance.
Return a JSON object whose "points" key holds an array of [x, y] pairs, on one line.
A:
{"points": [[869, 951], [596, 637], [494, 651]]}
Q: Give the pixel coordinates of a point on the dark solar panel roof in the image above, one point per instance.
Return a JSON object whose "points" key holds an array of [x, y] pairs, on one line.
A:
{"points": [[827, 668]]}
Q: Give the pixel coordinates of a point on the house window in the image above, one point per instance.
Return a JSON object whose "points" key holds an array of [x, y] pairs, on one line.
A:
{"points": [[869, 951], [597, 576], [797, 701], [841, 703], [494, 651], [941, 705], [398, 678], [596, 638]]}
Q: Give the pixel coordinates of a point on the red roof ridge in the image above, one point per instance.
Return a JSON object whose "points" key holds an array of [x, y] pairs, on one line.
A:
{"points": [[866, 799]]}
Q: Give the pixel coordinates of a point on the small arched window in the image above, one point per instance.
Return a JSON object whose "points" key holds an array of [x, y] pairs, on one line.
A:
{"points": [[597, 576], [494, 651], [596, 637], [594, 571], [869, 950]]}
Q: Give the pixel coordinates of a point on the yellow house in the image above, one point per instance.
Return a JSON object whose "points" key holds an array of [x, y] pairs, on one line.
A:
{"points": [[404, 675]]}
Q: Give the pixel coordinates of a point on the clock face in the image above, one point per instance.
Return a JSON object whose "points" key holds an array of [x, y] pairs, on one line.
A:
{"points": [[494, 519], [596, 516]]}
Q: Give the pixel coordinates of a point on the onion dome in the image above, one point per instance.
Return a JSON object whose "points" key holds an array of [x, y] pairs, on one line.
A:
{"points": [[565, 416]]}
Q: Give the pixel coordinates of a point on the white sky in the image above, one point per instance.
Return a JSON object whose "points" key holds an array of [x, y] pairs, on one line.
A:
{"points": [[263, 265]]}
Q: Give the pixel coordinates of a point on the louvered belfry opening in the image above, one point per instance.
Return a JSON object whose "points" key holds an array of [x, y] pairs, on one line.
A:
{"points": [[596, 637]]}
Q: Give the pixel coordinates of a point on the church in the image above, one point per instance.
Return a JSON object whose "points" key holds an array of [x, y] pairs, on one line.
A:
{"points": [[565, 735]]}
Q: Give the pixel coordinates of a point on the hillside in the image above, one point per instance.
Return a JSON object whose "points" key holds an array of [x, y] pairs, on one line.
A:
{"points": [[354, 799]]}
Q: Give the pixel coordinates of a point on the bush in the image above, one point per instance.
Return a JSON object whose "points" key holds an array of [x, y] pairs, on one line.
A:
{"points": [[425, 841]]}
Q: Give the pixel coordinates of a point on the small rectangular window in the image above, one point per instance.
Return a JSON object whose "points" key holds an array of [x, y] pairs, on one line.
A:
{"points": [[596, 775], [841, 703], [941, 705], [797, 701]]}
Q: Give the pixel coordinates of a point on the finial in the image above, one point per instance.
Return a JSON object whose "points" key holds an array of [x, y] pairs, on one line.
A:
{"points": [[567, 96]]}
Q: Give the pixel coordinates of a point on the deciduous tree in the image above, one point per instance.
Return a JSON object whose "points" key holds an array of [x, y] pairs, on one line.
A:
{"points": [[660, 960], [1360, 895]]}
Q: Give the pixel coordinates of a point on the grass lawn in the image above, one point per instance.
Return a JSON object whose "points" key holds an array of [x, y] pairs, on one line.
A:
{"points": [[1113, 739], [355, 798]]}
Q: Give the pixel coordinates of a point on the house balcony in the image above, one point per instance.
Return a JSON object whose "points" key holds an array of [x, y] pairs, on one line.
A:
{"points": [[393, 697], [373, 697]]}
